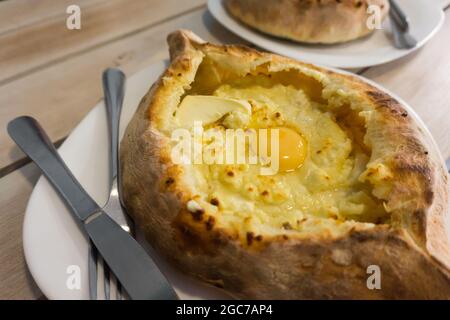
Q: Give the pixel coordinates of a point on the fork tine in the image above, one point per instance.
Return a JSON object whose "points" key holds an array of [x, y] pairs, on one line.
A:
{"points": [[101, 293], [92, 270], [113, 286], [119, 291], [106, 283]]}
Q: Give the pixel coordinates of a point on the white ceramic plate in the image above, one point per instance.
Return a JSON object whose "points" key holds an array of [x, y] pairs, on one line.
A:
{"points": [[426, 18], [52, 240]]}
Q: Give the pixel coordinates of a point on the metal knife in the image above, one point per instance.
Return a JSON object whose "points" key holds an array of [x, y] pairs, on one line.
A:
{"points": [[134, 268]]}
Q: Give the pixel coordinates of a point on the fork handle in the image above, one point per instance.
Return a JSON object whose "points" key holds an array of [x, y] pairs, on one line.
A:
{"points": [[34, 142], [399, 15], [113, 87]]}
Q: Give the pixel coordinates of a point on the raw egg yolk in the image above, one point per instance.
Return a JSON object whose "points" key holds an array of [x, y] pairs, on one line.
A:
{"points": [[291, 148]]}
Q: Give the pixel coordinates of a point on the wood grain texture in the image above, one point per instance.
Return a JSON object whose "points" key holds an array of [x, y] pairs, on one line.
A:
{"points": [[48, 40], [15, 189], [72, 87], [20, 13]]}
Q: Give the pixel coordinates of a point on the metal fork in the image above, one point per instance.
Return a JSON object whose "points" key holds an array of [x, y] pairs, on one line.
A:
{"points": [[400, 27], [113, 87]]}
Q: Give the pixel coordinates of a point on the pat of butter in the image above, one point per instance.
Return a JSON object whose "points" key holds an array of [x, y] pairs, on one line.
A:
{"points": [[208, 109]]}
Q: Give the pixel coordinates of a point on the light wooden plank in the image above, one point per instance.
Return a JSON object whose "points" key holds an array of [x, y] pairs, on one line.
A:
{"points": [[19, 13], [60, 96], [423, 81], [15, 280], [48, 40]]}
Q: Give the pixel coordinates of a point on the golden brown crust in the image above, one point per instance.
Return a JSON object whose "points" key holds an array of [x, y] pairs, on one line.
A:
{"points": [[312, 21], [412, 252]]}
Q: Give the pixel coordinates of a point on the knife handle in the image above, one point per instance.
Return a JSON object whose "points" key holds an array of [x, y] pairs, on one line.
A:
{"points": [[34, 142], [130, 263]]}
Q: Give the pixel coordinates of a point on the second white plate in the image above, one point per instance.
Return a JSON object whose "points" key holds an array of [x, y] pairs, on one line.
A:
{"points": [[426, 18]]}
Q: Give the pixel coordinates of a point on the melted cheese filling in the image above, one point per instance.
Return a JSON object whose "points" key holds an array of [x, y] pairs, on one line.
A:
{"points": [[327, 190]]}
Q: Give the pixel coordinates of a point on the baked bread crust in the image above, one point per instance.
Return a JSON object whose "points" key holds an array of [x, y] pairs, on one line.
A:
{"points": [[310, 21], [412, 251]]}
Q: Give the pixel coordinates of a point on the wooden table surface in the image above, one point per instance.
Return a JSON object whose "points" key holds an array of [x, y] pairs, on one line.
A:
{"points": [[53, 74]]}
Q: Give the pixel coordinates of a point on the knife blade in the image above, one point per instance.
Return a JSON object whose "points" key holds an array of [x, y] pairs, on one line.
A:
{"points": [[134, 268]]}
